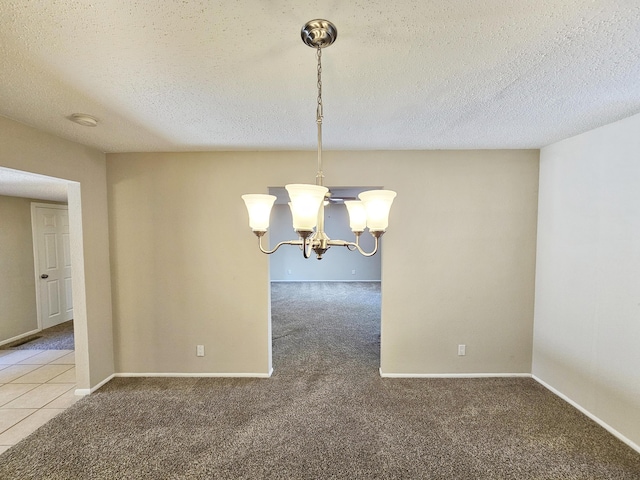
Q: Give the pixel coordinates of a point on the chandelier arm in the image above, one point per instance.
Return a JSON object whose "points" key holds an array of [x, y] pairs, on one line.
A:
{"points": [[307, 245], [356, 245], [269, 252]]}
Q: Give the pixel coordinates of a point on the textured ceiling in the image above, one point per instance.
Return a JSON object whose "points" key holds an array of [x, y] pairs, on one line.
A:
{"points": [[422, 74]]}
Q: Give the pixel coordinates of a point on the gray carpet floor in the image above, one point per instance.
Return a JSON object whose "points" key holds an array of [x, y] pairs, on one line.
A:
{"points": [[325, 413], [58, 337]]}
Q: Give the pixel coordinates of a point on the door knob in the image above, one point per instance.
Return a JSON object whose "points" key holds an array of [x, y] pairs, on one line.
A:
{"points": [[44, 275]]}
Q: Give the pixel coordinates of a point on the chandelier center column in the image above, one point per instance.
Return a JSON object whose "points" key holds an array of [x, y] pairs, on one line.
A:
{"points": [[319, 117]]}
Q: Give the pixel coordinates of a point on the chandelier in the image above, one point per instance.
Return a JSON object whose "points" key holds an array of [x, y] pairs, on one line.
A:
{"points": [[308, 201]]}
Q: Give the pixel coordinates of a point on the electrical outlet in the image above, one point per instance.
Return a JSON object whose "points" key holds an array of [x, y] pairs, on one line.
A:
{"points": [[462, 350], [289, 272], [199, 350], [353, 272]]}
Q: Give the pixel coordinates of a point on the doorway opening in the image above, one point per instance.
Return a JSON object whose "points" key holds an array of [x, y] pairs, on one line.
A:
{"points": [[30, 186], [325, 315]]}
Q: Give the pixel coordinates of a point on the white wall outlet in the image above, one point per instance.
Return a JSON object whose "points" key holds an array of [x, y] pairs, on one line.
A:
{"points": [[462, 350], [353, 272], [199, 350], [289, 272]]}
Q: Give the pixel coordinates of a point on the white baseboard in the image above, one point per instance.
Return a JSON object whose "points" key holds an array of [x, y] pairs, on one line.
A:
{"points": [[600, 422], [81, 392], [88, 391], [452, 375], [18, 337], [203, 375]]}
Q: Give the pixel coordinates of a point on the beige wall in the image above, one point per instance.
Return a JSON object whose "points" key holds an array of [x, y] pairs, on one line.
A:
{"points": [[587, 311], [18, 314], [457, 264], [458, 267], [27, 149]]}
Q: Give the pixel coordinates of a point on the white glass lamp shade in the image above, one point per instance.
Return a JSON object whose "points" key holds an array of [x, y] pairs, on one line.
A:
{"points": [[377, 203], [306, 201], [357, 215], [259, 208]]}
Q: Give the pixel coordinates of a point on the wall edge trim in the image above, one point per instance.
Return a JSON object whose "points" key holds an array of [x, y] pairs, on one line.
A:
{"points": [[18, 337], [452, 375], [586, 412], [81, 392], [87, 391], [194, 374]]}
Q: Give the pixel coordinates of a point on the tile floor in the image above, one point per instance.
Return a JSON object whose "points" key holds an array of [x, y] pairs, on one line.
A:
{"points": [[35, 385]]}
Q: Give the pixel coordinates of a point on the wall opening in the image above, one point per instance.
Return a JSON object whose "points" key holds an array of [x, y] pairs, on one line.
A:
{"points": [[331, 305], [40, 187]]}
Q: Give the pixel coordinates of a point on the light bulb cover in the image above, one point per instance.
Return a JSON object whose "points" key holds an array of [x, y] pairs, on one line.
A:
{"points": [[306, 201], [357, 215], [259, 208], [377, 204]]}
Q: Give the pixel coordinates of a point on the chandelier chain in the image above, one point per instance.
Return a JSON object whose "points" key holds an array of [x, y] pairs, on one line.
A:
{"points": [[319, 111]]}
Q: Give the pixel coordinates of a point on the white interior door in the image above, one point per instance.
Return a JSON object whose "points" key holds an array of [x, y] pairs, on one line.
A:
{"points": [[52, 263]]}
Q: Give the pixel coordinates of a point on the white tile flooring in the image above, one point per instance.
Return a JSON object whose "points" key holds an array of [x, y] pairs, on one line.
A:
{"points": [[35, 386]]}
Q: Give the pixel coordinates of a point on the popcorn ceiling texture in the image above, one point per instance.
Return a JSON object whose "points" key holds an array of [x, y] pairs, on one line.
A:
{"points": [[201, 75]]}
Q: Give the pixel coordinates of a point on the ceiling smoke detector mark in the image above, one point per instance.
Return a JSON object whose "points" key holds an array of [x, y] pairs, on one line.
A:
{"points": [[84, 119]]}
